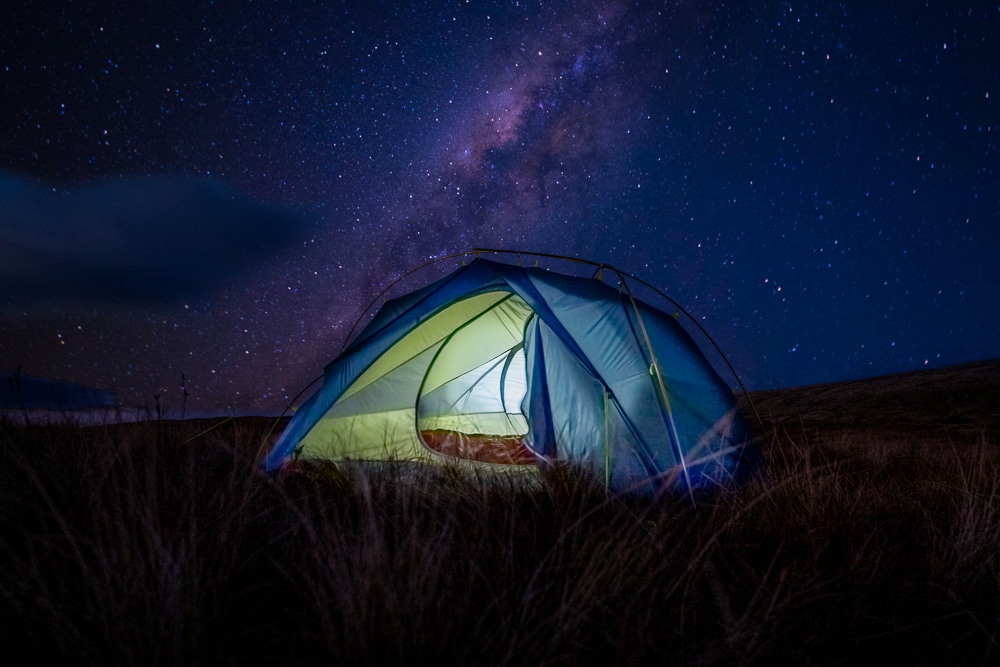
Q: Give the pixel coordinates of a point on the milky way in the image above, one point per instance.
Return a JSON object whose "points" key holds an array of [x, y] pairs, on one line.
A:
{"points": [[219, 190]]}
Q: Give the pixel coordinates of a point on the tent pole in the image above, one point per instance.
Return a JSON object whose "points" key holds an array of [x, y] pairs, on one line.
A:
{"points": [[662, 387], [607, 446], [661, 293]]}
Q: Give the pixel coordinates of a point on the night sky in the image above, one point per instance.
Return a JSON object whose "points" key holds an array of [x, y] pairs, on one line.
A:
{"points": [[219, 189]]}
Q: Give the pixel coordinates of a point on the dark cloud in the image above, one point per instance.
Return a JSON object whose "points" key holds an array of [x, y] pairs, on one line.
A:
{"points": [[150, 240], [23, 392]]}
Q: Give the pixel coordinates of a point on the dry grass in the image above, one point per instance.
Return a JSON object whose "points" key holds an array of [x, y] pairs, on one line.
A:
{"points": [[131, 544]]}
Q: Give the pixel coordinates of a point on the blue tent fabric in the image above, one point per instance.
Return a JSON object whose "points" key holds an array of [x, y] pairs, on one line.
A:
{"points": [[613, 384]]}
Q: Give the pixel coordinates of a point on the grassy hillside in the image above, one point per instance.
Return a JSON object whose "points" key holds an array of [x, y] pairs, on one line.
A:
{"points": [[960, 402], [874, 532]]}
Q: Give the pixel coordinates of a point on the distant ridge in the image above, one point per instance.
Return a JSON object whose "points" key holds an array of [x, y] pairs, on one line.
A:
{"points": [[963, 399]]}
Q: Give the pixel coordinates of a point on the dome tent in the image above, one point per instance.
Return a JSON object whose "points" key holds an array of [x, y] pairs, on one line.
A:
{"points": [[516, 366]]}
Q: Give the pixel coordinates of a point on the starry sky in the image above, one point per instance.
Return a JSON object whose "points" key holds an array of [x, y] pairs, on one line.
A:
{"points": [[219, 189]]}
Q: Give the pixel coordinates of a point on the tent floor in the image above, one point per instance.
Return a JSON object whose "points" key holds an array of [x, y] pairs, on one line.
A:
{"points": [[510, 450]]}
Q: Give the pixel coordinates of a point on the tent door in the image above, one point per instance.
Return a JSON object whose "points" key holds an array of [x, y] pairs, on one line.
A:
{"points": [[469, 405]]}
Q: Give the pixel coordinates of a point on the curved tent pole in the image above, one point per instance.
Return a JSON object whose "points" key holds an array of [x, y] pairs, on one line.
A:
{"points": [[622, 275], [388, 287], [289, 406], [466, 253], [704, 332], [674, 437], [607, 442]]}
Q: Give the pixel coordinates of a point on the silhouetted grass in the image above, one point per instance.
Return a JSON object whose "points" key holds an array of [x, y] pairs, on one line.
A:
{"points": [[133, 543]]}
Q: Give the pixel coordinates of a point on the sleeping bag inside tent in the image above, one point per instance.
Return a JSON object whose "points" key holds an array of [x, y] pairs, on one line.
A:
{"points": [[520, 366]]}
